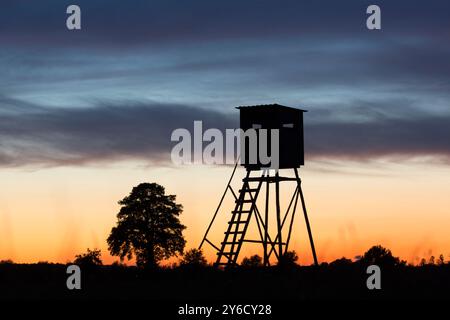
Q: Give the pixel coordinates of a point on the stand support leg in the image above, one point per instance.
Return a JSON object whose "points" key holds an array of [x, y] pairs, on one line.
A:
{"points": [[306, 219], [266, 226], [277, 196]]}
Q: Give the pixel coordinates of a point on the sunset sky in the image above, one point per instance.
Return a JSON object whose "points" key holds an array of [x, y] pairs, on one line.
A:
{"points": [[86, 115]]}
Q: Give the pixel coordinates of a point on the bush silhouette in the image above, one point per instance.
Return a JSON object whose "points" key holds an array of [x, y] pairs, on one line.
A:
{"points": [[193, 258], [342, 262], [148, 226], [289, 259], [380, 256], [254, 261], [89, 259]]}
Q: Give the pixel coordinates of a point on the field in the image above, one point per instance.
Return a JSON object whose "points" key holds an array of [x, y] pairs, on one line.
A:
{"points": [[346, 282]]}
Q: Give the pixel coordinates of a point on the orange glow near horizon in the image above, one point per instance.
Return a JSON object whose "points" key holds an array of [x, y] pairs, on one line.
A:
{"points": [[55, 213]]}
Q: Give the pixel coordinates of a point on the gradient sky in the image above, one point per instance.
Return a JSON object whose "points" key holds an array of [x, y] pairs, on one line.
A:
{"points": [[86, 115]]}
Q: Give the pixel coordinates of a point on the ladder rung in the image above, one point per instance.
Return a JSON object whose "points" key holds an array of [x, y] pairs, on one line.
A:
{"points": [[269, 179], [233, 232], [254, 179], [230, 242], [241, 211], [243, 201], [248, 190], [226, 253], [236, 222]]}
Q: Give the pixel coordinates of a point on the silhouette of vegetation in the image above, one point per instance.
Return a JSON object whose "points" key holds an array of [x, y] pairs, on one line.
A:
{"points": [[342, 262], [118, 264], [340, 279], [254, 261], [194, 258], [289, 259], [148, 226], [380, 256], [89, 259], [433, 262]]}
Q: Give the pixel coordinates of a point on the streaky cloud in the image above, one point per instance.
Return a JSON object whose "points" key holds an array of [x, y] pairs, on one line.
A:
{"points": [[125, 130]]}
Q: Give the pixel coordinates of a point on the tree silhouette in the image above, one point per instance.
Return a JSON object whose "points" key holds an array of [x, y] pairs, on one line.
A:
{"points": [[380, 256], [148, 226], [288, 259], [90, 258], [342, 262], [194, 258], [252, 262], [432, 260]]}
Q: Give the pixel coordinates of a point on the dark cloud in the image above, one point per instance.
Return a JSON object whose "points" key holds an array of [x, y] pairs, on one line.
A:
{"points": [[160, 21], [382, 128], [226, 48], [221, 51], [390, 138], [104, 132], [141, 130]]}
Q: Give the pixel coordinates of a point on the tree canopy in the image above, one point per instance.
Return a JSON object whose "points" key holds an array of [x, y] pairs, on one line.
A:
{"points": [[380, 256], [194, 258], [252, 262], [148, 226], [90, 258], [288, 259]]}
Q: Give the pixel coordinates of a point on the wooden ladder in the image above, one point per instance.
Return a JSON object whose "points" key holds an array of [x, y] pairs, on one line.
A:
{"points": [[237, 226]]}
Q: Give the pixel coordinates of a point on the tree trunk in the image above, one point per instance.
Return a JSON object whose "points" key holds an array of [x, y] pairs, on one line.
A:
{"points": [[151, 260]]}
